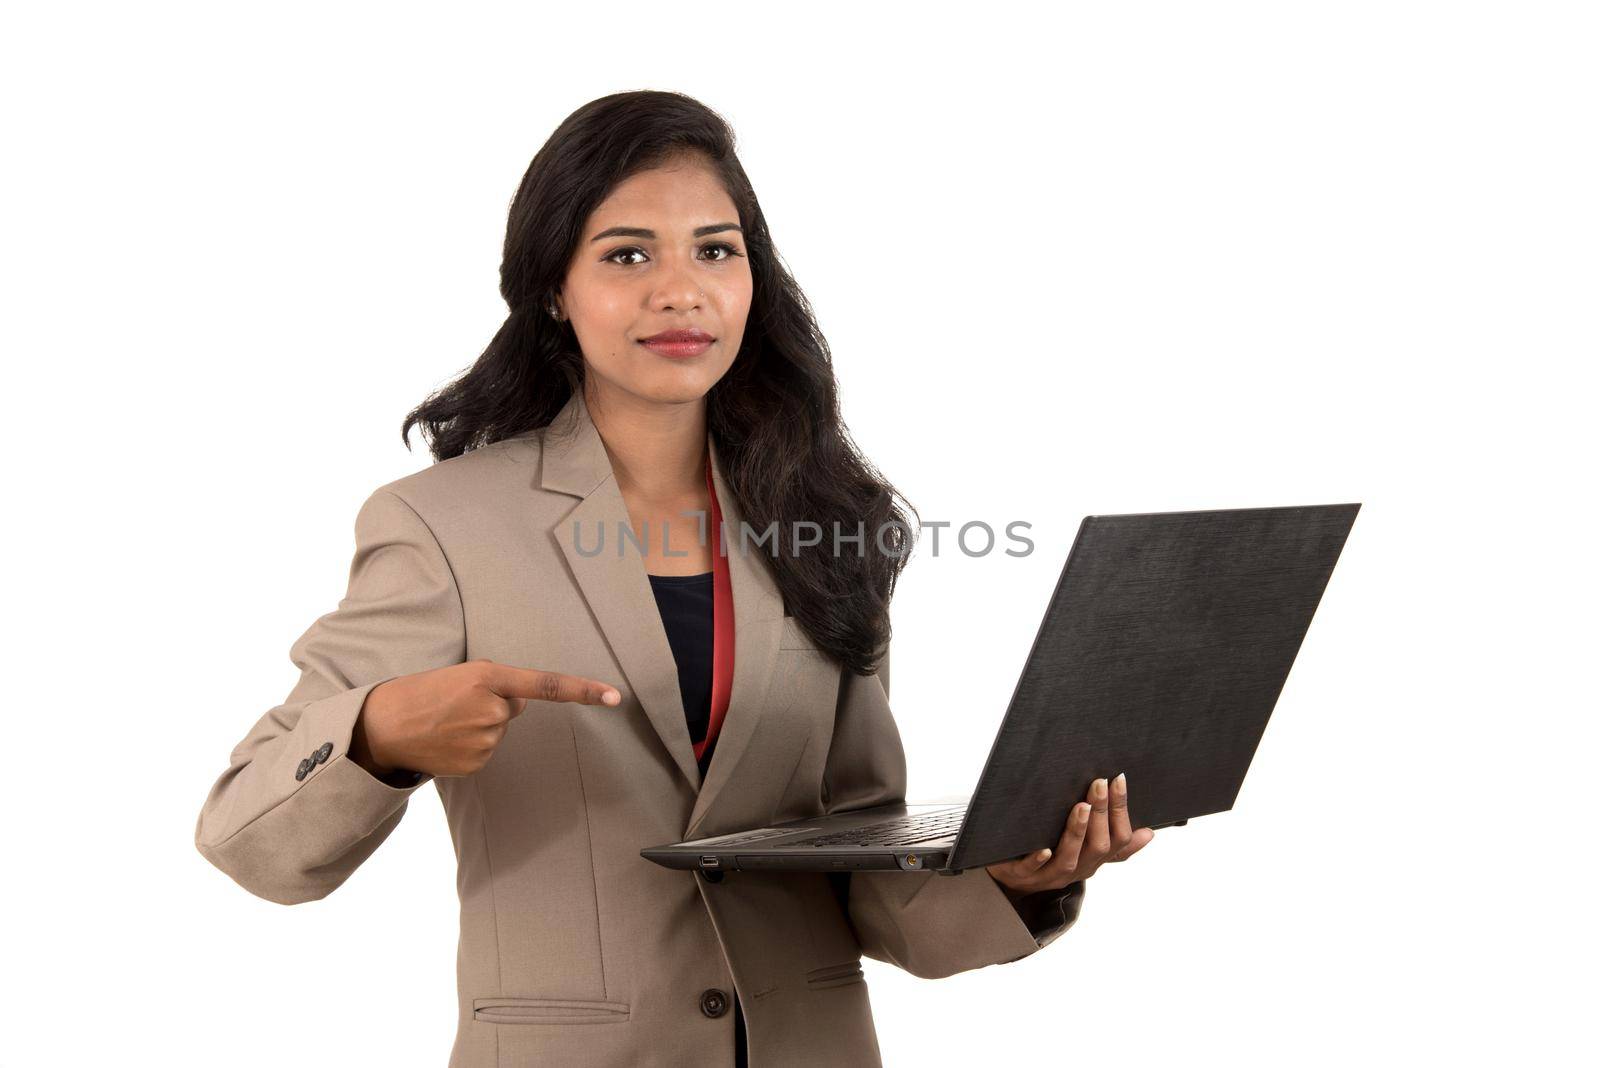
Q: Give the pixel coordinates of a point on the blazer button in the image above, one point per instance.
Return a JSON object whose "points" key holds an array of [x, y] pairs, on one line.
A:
{"points": [[324, 751], [304, 768], [713, 1002]]}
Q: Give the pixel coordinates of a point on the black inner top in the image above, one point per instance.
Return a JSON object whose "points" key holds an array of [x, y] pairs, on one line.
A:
{"points": [[686, 603]]}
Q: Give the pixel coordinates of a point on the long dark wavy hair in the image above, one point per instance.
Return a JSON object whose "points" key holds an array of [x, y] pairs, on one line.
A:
{"points": [[774, 415]]}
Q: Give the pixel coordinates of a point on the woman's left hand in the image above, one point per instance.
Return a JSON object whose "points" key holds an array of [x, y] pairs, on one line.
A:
{"points": [[1097, 833]]}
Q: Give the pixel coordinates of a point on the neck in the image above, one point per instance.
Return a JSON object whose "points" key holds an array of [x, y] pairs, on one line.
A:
{"points": [[657, 450]]}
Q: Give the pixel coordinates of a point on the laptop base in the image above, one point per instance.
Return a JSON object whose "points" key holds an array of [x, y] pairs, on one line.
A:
{"points": [[785, 846]]}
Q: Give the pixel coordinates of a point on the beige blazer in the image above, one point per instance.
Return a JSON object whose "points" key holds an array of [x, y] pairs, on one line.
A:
{"points": [[574, 950]]}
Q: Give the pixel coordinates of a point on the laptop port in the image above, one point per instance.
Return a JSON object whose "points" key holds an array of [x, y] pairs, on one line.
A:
{"points": [[709, 862], [921, 861]]}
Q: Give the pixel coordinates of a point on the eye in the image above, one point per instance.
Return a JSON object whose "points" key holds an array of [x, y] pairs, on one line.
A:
{"points": [[610, 257], [729, 249]]}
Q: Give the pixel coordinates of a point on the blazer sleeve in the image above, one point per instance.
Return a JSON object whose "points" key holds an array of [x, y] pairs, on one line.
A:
{"points": [[930, 925], [291, 835]]}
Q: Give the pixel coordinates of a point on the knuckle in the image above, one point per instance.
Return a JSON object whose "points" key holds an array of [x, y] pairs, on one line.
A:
{"points": [[549, 686]]}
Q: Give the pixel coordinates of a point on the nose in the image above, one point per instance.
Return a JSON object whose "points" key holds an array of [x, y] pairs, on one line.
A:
{"points": [[677, 291]]}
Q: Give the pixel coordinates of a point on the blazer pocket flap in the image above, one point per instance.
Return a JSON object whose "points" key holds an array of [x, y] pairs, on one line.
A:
{"points": [[514, 1010], [835, 974]]}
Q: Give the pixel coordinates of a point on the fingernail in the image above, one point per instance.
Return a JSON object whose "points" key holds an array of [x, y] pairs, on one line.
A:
{"points": [[1099, 789], [611, 697], [1083, 812], [1044, 855], [1122, 781]]}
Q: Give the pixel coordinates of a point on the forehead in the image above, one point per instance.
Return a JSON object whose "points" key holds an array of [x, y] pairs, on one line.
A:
{"points": [[675, 196]]}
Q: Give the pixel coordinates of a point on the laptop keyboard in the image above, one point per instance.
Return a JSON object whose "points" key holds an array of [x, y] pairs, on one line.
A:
{"points": [[904, 830]]}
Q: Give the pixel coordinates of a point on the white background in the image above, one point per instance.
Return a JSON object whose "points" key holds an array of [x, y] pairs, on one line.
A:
{"points": [[1133, 257]]}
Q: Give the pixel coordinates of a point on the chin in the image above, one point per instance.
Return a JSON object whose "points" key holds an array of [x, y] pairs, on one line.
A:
{"points": [[679, 386]]}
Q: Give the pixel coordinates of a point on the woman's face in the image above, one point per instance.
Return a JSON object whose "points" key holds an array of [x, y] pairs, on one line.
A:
{"points": [[663, 252]]}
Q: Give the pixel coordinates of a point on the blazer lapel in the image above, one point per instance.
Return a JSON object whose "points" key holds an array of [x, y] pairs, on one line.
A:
{"points": [[758, 627], [618, 592]]}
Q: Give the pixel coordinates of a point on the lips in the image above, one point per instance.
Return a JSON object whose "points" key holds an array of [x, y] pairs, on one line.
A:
{"points": [[679, 337], [678, 343]]}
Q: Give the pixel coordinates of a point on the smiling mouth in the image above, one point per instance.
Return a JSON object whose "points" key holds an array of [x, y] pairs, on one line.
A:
{"points": [[678, 345], [671, 337]]}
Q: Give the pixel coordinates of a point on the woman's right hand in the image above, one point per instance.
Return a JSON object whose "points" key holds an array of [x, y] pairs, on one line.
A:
{"points": [[449, 721]]}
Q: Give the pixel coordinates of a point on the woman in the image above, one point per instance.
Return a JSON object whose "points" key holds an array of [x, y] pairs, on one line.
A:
{"points": [[574, 704]]}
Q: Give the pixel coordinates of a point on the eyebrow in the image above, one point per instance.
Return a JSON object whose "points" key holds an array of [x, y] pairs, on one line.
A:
{"points": [[640, 231]]}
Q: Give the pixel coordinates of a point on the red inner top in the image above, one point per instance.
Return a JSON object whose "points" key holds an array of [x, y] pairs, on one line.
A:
{"points": [[722, 625]]}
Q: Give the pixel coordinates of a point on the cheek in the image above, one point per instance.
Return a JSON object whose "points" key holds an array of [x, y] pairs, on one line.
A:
{"points": [[601, 309], [734, 304], [601, 317]]}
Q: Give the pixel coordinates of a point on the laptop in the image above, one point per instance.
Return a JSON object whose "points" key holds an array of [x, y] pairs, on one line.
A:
{"points": [[1162, 653]]}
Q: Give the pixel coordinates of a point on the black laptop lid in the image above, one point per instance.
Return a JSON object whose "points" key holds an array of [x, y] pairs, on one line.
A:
{"points": [[1162, 653]]}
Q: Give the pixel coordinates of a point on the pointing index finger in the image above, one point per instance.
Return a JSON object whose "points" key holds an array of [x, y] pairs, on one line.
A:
{"points": [[536, 685]]}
